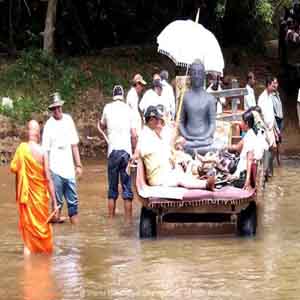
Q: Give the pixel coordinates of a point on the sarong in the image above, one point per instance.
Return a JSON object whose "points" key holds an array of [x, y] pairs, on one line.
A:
{"points": [[32, 201]]}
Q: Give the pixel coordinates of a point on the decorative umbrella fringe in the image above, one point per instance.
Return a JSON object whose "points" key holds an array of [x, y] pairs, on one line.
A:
{"points": [[181, 64]]}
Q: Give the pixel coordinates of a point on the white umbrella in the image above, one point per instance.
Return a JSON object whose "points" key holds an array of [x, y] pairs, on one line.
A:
{"points": [[186, 41]]}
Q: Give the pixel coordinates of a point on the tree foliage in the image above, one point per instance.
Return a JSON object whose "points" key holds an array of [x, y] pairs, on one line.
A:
{"points": [[90, 25]]}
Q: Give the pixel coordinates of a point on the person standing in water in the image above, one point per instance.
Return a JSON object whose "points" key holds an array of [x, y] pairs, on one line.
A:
{"points": [[118, 122], [60, 141], [33, 187]]}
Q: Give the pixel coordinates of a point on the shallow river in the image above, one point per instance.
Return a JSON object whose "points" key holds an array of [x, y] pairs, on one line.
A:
{"points": [[100, 259]]}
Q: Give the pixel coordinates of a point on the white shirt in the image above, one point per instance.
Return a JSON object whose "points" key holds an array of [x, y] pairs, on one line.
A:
{"points": [[169, 97], [249, 100], [156, 152], [250, 144], [265, 102], [117, 116], [220, 101], [151, 98], [149, 142], [58, 138], [298, 98], [132, 100]]}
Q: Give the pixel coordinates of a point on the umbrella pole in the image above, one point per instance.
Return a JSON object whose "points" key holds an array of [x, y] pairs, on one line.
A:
{"points": [[177, 120]]}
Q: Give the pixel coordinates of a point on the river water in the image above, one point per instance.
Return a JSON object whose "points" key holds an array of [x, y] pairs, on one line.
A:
{"points": [[100, 259]]}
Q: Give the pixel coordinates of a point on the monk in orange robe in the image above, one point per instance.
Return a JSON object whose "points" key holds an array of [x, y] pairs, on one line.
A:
{"points": [[33, 187]]}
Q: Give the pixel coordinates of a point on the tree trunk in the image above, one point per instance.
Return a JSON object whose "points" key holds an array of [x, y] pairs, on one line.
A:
{"points": [[48, 44], [238, 22], [12, 46]]}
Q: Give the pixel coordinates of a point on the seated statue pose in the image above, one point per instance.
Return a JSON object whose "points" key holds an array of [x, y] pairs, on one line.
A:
{"points": [[154, 147], [198, 115]]}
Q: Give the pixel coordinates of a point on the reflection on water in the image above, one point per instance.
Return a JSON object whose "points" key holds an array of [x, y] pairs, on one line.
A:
{"points": [[37, 279], [106, 260]]}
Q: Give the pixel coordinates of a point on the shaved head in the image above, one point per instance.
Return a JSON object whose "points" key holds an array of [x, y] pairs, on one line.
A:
{"points": [[33, 130], [33, 125]]}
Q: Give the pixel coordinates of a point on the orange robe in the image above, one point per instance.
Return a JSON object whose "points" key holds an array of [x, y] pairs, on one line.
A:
{"points": [[32, 199]]}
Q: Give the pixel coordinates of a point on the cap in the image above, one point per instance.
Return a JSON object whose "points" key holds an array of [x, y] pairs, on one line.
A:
{"points": [[56, 100], [153, 111], [138, 78], [118, 92], [157, 83]]}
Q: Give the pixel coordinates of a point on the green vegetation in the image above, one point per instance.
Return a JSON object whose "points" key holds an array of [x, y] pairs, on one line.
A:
{"points": [[30, 79], [33, 77]]}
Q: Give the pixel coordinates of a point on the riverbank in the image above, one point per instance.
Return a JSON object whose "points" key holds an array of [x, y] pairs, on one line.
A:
{"points": [[86, 84]]}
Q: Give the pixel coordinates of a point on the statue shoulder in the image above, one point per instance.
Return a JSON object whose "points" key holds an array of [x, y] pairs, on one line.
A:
{"points": [[208, 96], [211, 98], [187, 94]]}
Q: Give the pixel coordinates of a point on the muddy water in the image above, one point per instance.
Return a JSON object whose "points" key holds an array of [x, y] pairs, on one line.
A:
{"points": [[106, 260]]}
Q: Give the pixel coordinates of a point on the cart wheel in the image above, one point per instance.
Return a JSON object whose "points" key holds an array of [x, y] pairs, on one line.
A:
{"points": [[247, 220], [147, 223]]}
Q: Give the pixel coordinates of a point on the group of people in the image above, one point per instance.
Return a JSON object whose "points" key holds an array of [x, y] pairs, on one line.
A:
{"points": [[270, 106], [139, 126], [290, 24], [46, 170], [148, 133], [121, 124]]}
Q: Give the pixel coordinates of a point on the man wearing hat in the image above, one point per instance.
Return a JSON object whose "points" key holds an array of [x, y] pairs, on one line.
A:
{"points": [[119, 125], [60, 141], [152, 97], [154, 148], [133, 98]]}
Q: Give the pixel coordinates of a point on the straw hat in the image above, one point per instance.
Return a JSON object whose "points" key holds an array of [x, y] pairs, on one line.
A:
{"points": [[138, 78]]}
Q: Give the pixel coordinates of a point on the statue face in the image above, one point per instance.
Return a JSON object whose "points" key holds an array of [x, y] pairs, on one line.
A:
{"points": [[197, 75]]}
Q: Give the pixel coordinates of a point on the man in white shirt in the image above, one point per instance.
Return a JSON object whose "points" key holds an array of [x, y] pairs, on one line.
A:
{"points": [[60, 142], [118, 122], [133, 98], [168, 93], [155, 150], [215, 86], [153, 97], [265, 102], [278, 113], [249, 100]]}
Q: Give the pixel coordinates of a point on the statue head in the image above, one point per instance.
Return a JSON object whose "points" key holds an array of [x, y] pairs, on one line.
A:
{"points": [[197, 75]]}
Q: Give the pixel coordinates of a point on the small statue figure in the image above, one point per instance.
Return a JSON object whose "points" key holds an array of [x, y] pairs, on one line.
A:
{"points": [[198, 115]]}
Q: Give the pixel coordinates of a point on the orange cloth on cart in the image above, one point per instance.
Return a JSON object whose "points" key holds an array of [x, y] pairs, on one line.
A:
{"points": [[32, 199]]}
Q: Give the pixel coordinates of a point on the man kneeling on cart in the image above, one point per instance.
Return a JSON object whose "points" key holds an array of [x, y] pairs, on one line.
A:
{"points": [[154, 146]]}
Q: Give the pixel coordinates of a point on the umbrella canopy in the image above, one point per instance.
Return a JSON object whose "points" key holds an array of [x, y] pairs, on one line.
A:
{"points": [[186, 41]]}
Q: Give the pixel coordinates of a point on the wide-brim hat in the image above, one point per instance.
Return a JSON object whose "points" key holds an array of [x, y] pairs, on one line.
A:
{"points": [[138, 78], [155, 112], [56, 100]]}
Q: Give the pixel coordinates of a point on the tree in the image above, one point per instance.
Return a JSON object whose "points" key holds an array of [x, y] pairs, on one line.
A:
{"points": [[48, 44], [11, 41]]}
